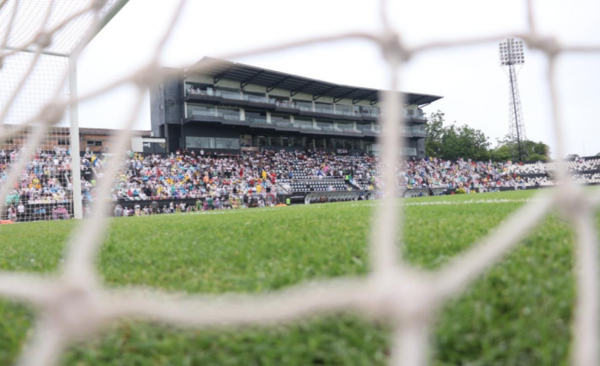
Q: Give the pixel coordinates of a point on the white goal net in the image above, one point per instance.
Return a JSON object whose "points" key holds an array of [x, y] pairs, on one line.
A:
{"points": [[34, 104]]}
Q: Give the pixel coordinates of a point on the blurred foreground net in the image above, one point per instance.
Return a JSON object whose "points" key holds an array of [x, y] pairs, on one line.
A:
{"points": [[40, 41]]}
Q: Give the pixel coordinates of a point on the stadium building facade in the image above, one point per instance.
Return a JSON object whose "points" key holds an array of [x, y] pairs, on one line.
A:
{"points": [[232, 107]]}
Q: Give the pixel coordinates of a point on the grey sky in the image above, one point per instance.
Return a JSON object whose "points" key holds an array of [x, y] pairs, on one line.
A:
{"points": [[474, 87]]}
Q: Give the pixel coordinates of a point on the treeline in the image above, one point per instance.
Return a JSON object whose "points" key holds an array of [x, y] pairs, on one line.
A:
{"points": [[451, 142]]}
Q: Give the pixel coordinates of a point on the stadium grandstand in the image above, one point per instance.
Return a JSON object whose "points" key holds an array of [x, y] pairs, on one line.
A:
{"points": [[233, 107]]}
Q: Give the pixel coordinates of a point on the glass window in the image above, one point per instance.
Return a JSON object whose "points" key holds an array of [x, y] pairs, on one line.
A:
{"points": [[280, 119], [202, 109], [303, 122], [199, 142], [229, 112], [323, 107], [410, 151], [345, 125], [343, 107], [304, 105], [229, 93], [226, 143], [325, 125], [212, 142]]}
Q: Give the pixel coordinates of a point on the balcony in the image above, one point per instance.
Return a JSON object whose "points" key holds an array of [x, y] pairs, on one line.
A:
{"points": [[414, 131], [407, 131], [330, 113], [216, 117], [368, 131], [219, 97], [259, 121], [224, 97]]}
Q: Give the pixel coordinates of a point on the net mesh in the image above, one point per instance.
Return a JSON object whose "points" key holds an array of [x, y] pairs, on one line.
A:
{"points": [[75, 304]]}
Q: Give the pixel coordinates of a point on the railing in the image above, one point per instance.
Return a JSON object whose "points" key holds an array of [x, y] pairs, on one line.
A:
{"points": [[212, 113], [234, 96], [231, 116], [286, 104], [284, 123], [323, 110], [217, 114], [257, 99], [329, 128], [278, 120], [258, 120], [368, 114], [368, 129], [203, 92], [230, 95], [309, 127], [345, 113], [293, 105]]}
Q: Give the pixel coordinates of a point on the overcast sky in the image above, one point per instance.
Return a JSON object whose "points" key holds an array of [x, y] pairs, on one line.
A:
{"points": [[473, 85]]}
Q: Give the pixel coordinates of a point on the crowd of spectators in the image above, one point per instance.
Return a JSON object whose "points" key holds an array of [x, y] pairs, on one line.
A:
{"points": [[466, 174], [44, 179], [255, 179]]}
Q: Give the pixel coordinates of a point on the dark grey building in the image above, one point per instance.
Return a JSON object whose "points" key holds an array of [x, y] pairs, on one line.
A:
{"points": [[230, 107]]}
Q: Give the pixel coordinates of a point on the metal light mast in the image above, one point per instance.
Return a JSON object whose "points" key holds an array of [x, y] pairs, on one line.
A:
{"points": [[511, 54]]}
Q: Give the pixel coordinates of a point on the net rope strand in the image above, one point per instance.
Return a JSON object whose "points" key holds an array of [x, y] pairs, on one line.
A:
{"points": [[75, 304]]}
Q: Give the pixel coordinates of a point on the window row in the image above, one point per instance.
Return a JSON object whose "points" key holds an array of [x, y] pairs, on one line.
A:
{"points": [[212, 142]]}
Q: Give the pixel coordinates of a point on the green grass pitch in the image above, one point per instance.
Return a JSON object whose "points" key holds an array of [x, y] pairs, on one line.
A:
{"points": [[518, 313]]}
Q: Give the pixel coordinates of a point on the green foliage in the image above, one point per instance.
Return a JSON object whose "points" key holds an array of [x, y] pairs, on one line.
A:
{"points": [[507, 149], [453, 142], [518, 313], [464, 142], [572, 156], [435, 131]]}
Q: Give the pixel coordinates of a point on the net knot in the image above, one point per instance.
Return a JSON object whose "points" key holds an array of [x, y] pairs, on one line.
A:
{"points": [[74, 310], [403, 295], [392, 48], [52, 113], [43, 40], [148, 76], [572, 201]]}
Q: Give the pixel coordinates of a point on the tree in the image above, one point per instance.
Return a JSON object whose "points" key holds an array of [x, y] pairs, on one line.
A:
{"points": [[507, 149], [572, 156], [464, 142], [452, 142], [435, 130]]}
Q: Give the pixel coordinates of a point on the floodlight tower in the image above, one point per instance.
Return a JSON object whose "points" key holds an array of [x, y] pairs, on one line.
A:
{"points": [[511, 54]]}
